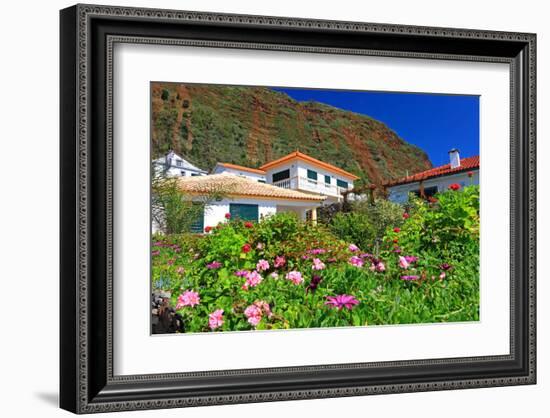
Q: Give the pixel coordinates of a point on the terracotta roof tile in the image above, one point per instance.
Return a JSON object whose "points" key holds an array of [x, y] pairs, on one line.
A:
{"points": [[297, 155], [240, 167], [469, 163], [233, 185]]}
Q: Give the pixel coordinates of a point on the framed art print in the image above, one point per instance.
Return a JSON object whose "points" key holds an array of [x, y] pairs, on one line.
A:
{"points": [[261, 208]]}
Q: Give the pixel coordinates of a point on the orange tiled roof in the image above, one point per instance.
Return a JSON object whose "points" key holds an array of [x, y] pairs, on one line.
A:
{"points": [[243, 168], [469, 163], [301, 156], [233, 185]]}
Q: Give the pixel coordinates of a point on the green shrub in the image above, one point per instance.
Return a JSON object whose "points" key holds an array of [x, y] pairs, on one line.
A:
{"points": [[366, 223], [427, 269]]}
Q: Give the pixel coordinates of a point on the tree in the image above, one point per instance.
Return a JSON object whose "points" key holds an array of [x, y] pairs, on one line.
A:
{"points": [[173, 210]]}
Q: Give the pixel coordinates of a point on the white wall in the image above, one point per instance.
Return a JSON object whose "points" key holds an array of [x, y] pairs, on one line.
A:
{"points": [[30, 254], [400, 193], [248, 174]]}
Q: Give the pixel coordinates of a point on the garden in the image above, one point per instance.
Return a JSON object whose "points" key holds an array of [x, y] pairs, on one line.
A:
{"points": [[377, 263]]}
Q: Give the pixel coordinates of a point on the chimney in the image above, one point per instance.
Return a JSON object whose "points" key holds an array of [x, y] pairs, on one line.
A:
{"points": [[454, 158]]}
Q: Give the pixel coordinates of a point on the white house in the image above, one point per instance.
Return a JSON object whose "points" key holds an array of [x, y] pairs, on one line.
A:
{"points": [[298, 171], [246, 199], [174, 165], [464, 172], [239, 170], [294, 183]]}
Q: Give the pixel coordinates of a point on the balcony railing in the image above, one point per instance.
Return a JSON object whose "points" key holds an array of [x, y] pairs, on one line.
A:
{"points": [[315, 186]]}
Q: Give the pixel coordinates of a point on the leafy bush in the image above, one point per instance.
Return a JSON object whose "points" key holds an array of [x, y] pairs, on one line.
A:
{"points": [[283, 273], [366, 223]]}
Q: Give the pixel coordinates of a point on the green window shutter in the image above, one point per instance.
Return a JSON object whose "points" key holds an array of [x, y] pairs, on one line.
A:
{"points": [[243, 211], [312, 175], [197, 227], [342, 183], [281, 175], [327, 179]]}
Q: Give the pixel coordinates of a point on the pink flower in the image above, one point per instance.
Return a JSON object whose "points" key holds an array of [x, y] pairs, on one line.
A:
{"points": [[406, 215], [442, 275], [264, 307], [253, 279], [253, 314], [155, 253], [409, 277], [341, 301], [280, 261], [242, 273], [262, 265], [356, 261], [170, 262], [188, 298], [227, 216], [259, 246], [215, 319], [180, 270], [214, 265], [274, 275], [377, 266], [353, 248], [411, 259], [295, 277], [317, 251], [403, 263], [318, 264]]}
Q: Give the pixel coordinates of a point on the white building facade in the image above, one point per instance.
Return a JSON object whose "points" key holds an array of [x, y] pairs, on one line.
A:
{"points": [[175, 166], [251, 173], [298, 171], [464, 172]]}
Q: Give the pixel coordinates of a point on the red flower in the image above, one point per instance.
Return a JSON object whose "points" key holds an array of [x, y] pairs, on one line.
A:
{"points": [[395, 241], [396, 229], [406, 215], [470, 173], [227, 216], [246, 248], [248, 224], [432, 199], [208, 229], [454, 186]]}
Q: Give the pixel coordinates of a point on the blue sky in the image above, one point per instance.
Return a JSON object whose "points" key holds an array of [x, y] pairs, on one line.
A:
{"points": [[434, 122]]}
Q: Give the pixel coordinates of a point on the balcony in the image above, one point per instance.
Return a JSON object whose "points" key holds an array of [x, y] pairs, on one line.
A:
{"points": [[309, 185]]}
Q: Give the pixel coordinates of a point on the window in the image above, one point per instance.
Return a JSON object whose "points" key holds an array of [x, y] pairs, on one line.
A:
{"points": [[246, 212], [182, 172], [261, 181], [312, 175], [341, 183], [198, 226], [195, 174], [179, 163], [281, 175], [428, 191], [327, 179]]}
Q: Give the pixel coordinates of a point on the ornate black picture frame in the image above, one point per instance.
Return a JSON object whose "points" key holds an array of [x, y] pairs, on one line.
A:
{"points": [[87, 36]]}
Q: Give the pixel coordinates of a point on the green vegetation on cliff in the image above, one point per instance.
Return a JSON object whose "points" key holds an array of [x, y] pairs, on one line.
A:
{"points": [[253, 125]]}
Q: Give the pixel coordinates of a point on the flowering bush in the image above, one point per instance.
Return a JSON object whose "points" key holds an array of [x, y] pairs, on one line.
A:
{"points": [[283, 273]]}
